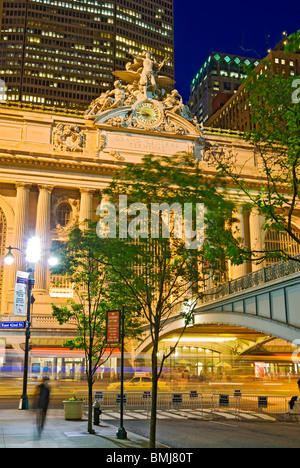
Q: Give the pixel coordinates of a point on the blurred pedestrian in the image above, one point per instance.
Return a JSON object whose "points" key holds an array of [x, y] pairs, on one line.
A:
{"points": [[41, 403]]}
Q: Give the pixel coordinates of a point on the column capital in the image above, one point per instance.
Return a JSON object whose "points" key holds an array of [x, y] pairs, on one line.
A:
{"points": [[87, 190], [23, 185], [45, 187]]}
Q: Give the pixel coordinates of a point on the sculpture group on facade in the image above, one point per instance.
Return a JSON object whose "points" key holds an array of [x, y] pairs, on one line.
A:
{"points": [[142, 98], [68, 138], [144, 82]]}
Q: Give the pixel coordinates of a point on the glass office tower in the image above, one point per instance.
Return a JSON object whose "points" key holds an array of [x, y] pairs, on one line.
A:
{"points": [[62, 53]]}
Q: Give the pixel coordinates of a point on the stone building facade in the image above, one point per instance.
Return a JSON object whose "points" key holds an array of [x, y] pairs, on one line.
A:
{"points": [[54, 167]]}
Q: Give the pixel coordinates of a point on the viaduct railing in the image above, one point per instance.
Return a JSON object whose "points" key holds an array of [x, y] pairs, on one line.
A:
{"points": [[256, 278]]}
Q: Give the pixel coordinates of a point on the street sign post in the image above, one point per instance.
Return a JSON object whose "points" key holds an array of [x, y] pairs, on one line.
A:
{"points": [[121, 434]]}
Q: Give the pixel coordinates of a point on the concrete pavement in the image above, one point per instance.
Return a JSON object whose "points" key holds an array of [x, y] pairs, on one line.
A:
{"points": [[18, 430]]}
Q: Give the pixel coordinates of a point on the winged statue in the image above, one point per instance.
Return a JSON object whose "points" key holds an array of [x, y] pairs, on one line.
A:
{"points": [[144, 71]]}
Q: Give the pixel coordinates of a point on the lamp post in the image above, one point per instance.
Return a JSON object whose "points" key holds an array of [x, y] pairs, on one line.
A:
{"points": [[30, 283], [121, 433], [33, 254]]}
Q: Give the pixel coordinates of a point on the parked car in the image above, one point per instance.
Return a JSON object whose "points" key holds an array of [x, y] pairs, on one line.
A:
{"points": [[139, 383]]}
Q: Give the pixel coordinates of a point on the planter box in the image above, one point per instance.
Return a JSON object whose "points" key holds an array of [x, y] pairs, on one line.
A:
{"points": [[73, 409]]}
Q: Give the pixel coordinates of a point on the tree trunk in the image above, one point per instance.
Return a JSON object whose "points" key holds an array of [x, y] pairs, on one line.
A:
{"points": [[90, 396], [153, 396]]}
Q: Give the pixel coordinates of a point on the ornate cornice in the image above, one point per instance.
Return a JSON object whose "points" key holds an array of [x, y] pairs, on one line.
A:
{"points": [[41, 162]]}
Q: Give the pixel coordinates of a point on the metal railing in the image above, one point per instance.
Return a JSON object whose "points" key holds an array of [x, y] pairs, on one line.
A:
{"points": [[256, 278], [237, 403], [138, 401], [202, 404]]}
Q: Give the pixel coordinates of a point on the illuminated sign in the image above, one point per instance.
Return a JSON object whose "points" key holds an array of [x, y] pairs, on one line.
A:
{"points": [[20, 295]]}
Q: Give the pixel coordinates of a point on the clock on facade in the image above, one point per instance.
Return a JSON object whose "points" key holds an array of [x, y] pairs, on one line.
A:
{"points": [[148, 113]]}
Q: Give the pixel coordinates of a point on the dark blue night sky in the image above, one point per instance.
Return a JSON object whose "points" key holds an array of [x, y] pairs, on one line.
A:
{"points": [[243, 28]]}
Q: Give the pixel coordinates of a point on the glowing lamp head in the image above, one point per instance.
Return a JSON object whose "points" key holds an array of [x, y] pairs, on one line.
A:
{"points": [[33, 251], [9, 258], [53, 261]]}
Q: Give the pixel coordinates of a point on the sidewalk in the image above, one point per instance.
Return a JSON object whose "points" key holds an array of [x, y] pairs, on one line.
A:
{"points": [[18, 430]]}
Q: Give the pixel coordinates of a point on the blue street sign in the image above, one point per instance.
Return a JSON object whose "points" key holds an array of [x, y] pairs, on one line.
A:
{"points": [[12, 325]]}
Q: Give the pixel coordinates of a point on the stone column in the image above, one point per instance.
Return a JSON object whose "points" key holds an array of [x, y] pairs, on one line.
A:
{"points": [[42, 230], [236, 271], [256, 222], [20, 232], [86, 207]]}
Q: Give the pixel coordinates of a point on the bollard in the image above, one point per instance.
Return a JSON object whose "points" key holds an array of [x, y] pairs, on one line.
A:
{"points": [[97, 412]]}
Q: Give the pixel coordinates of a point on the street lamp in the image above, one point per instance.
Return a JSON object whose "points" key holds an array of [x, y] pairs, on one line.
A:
{"points": [[33, 255]]}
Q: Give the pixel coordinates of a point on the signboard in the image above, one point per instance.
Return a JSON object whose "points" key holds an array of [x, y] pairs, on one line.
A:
{"points": [[237, 394], [262, 402], [12, 325], [118, 398], [224, 401], [147, 395], [99, 396], [113, 320], [177, 398], [20, 295], [193, 394]]}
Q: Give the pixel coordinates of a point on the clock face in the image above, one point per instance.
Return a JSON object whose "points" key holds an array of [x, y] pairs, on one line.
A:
{"points": [[148, 113]]}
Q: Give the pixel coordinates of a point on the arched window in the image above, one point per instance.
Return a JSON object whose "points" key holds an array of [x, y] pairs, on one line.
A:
{"points": [[281, 241], [64, 214], [3, 229]]}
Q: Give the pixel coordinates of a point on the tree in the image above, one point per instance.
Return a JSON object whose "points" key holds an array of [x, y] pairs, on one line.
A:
{"points": [[161, 269], [81, 264], [293, 42], [275, 137]]}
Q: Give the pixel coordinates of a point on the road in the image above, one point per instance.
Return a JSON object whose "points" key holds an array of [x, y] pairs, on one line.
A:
{"points": [[11, 389], [188, 434]]}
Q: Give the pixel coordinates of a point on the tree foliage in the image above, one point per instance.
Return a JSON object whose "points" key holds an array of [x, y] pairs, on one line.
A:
{"points": [[293, 42], [95, 293], [275, 137], [162, 273]]}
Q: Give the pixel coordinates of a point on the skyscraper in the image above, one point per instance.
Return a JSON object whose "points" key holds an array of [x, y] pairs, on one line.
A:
{"points": [[235, 114], [62, 53], [216, 81]]}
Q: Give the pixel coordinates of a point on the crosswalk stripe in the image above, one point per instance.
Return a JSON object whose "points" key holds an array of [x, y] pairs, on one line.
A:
{"points": [[264, 416], [117, 416], [246, 415], [184, 414], [225, 415]]}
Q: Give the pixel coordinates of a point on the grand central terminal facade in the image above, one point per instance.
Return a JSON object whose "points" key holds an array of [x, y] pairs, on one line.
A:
{"points": [[54, 165]]}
